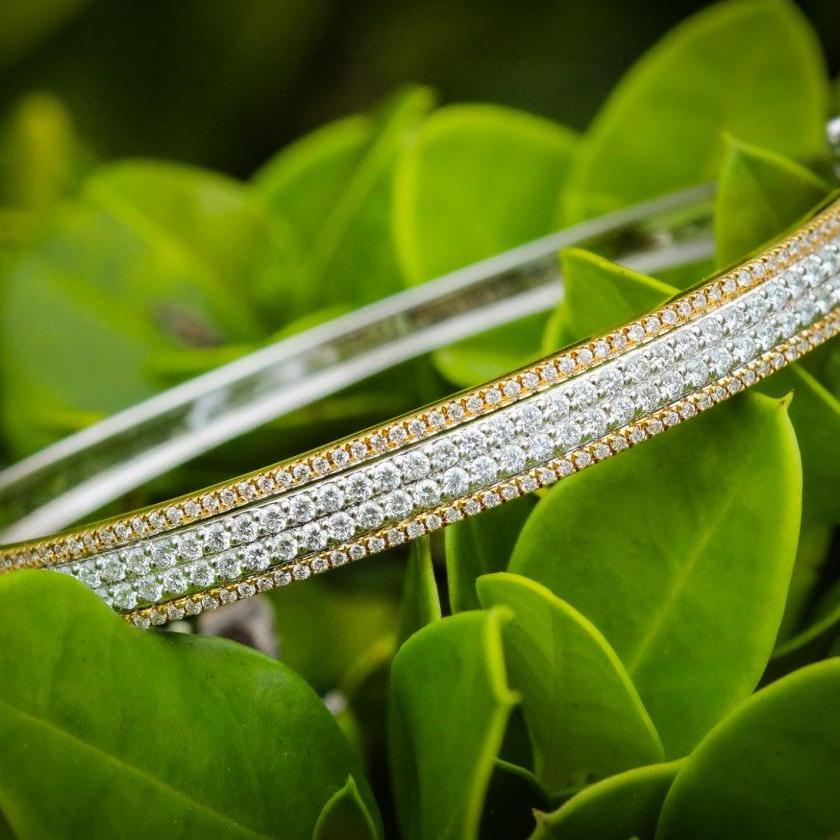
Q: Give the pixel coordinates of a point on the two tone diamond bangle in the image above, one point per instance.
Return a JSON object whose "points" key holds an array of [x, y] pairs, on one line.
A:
{"points": [[452, 460]]}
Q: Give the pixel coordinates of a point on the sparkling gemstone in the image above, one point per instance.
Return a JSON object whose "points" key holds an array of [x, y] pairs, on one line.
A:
{"points": [[426, 493], [582, 394], [742, 348], [301, 508], [136, 561], [414, 466], [696, 373], [341, 527], [313, 536], [271, 518], [397, 504], [686, 345], [527, 419], [111, 569], [471, 443], [455, 482], [711, 330], [499, 431], [201, 574], [671, 385], [370, 515], [175, 581], [227, 565], [149, 588], [637, 369], [645, 397], [483, 470], [283, 547], [385, 476], [609, 381], [189, 547], [593, 425], [511, 459], [719, 360], [621, 411], [216, 538], [540, 448], [124, 596], [243, 528], [331, 497], [568, 434], [255, 557], [443, 455]]}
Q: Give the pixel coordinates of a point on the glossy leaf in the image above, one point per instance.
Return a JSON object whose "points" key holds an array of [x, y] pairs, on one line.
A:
{"points": [[122, 726], [599, 294], [450, 211], [448, 687], [345, 817], [420, 598], [680, 552], [333, 189], [661, 128], [760, 195], [623, 806], [481, 545], [770, 770], [583, 713]]}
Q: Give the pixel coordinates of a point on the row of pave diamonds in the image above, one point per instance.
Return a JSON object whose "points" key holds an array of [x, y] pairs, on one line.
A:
{"points": [[805, 250], [485, 461]]}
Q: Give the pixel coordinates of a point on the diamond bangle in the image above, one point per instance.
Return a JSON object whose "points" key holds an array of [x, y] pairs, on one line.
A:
{"points": [[449, 461]]}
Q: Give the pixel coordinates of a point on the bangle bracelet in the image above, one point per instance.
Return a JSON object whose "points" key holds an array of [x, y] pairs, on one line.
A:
{"points": [[480, 448]]}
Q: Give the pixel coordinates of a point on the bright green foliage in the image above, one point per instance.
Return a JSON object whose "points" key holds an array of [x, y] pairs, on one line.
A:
{"points": [[476, 181], [769, 771], [478, 546], [447, 711], [686, 576], [661, 129], [625, 805], [584, 716], [129, 728], [420, 599], [333, 189], [760, 195]]}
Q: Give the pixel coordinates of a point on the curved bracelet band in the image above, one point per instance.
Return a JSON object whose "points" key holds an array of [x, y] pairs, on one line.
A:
{"points": [[395, 482]]}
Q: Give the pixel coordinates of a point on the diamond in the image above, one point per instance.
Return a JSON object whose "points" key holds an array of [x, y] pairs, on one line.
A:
{"points": [[370, 515], [301, 508], [243, 528], [483, 470], [149, 588], [397, 504], [455, 482], [511, 459], [201, 574], [414, 466], [341, 527], [443, 455], [136, 561], [271, 518], [228, 565], [281, 578], [124, 597], [331, 497], [216, 538], [385, 477], [696, 373], [426, 493], [568, 435], [472, 443], [111, 569], [189, 547], [255, 557], [540, 448], [283, 547], [175, 581]]}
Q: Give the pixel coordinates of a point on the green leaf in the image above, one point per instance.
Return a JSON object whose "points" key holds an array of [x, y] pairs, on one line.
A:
{"points": [[625, 805], [449, 703], [345, 817], [184, 733], [599, 294], [333, 190], [681, 555], [420, 599], [105, 289], [481, 545], [449, 211], [355, 608], [661, 128], [760, 194], [583, 713], [770, 770]]}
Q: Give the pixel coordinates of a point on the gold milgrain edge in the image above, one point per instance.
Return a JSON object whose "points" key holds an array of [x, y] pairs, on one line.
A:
{"points": [[299, 471]]}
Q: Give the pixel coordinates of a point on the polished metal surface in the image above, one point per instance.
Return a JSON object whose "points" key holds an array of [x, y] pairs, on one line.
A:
{"points": [[78, 475]]}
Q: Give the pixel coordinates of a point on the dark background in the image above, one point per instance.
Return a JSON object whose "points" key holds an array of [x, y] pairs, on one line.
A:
{"points": [[225, 83]]}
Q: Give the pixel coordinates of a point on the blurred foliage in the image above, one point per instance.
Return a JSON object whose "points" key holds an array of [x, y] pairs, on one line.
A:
{"points": [[550, 655]]}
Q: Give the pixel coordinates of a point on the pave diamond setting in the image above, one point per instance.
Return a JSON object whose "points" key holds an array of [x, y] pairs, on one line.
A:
{"points": [[457, 459]]}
